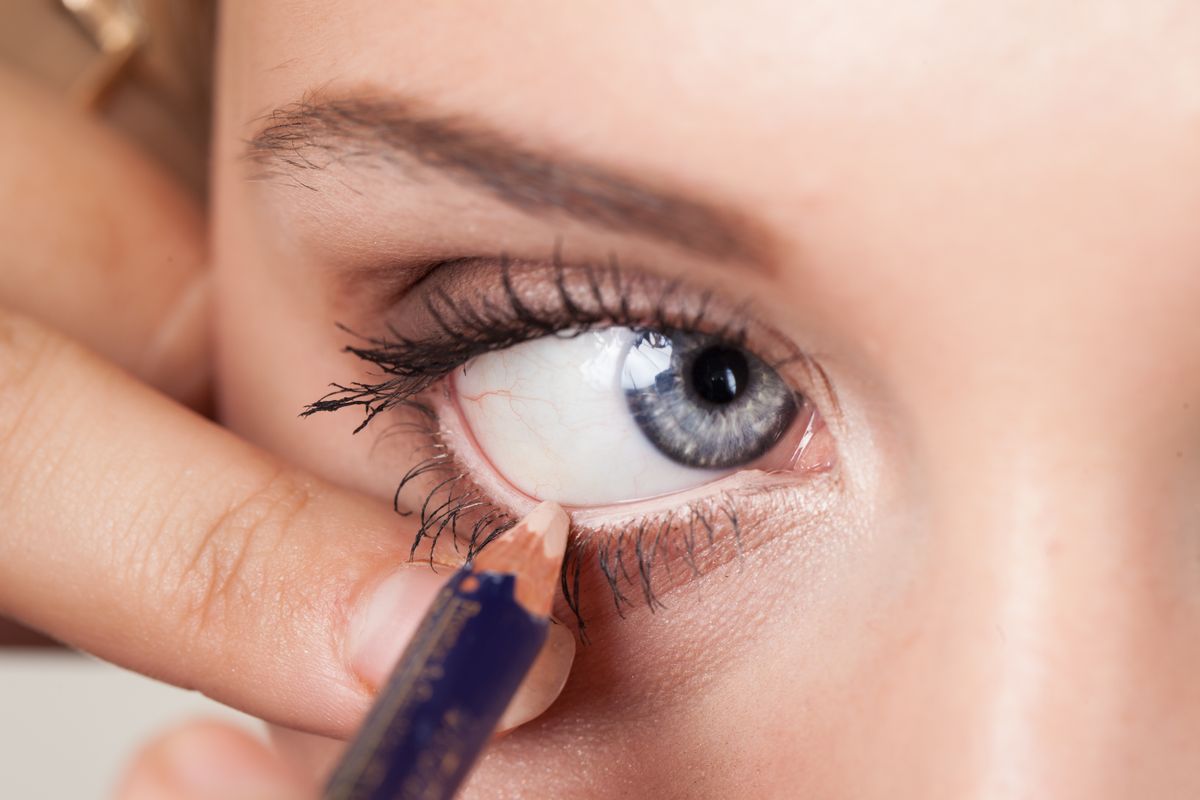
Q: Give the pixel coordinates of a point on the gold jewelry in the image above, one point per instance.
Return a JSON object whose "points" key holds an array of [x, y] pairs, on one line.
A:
{"points": [[118, 31]]}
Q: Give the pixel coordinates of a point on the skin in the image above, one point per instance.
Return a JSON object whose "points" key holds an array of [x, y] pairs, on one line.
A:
{"points": [[983, 228], [988, 240]]}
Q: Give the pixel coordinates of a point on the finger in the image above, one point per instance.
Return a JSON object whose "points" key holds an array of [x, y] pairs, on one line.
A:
{"points": [[136, 530], [14, 635], [538, 690], [209, 761], [544, 682], [307, 754], [99, 243]]}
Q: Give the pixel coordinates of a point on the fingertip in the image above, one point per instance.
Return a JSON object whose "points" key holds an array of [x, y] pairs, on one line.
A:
{"points": [[208, 760], [386, 617], [545, 680]]}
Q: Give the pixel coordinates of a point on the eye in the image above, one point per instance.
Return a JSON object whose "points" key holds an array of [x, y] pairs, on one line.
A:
{"points": [[598, 387], [620, 414], [703, 403]]}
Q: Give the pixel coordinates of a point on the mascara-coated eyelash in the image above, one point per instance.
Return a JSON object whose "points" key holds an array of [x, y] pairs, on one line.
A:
{"points": [[582, 298], [466, 308]]}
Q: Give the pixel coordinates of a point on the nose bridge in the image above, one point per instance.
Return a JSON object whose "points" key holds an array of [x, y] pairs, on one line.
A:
{"points": [[1058, 587]]}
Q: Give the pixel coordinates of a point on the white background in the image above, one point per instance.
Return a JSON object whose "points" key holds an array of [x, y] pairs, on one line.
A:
{"points": [[69, 724]]}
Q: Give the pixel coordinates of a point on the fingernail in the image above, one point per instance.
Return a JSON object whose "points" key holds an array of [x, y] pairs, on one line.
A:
{"points": [[386, 618], [211, 762], [545, 680]]}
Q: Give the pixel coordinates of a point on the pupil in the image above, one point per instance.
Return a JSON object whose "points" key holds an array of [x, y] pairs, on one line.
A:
{"points": [[720, 374]]}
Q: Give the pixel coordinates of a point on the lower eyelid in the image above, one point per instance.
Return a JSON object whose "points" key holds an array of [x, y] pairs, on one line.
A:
{"points": [[620, 556]]}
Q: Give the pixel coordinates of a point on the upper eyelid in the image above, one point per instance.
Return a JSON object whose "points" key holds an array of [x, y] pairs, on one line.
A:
{"points": [[435, 331], [585, 294]]}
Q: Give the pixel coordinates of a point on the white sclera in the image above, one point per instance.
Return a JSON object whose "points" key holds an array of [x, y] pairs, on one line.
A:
{"points": [[550, 415]]}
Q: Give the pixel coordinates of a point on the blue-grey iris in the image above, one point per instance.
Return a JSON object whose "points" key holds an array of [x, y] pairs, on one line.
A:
{"points": [[703, 402]]}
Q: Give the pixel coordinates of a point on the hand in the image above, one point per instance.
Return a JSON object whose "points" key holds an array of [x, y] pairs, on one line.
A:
{"points": [[211, 761], [130, 526]]}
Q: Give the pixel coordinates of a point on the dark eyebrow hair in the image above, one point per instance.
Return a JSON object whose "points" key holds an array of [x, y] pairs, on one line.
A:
{"points": [[316, 132]]}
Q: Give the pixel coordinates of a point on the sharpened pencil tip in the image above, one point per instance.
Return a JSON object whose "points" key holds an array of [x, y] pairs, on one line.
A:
{"points": [[533, 550], [552, 523]]}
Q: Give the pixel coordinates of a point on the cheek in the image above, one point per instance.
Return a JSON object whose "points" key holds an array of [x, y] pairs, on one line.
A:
{"points": [[551, 418]]}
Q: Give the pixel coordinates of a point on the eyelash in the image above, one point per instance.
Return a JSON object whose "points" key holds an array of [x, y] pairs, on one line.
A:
{"points": [[468, 331], [411, 366]]}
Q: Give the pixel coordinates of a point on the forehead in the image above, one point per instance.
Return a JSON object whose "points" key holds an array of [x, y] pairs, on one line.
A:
{"points": [[749, 80]]}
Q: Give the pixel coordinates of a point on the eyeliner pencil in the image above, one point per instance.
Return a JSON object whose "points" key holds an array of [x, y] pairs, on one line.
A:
{"points": [[478, 640]]}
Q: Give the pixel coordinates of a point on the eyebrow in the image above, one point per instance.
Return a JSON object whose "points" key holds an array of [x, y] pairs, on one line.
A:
{"points": [[317, 132]]}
